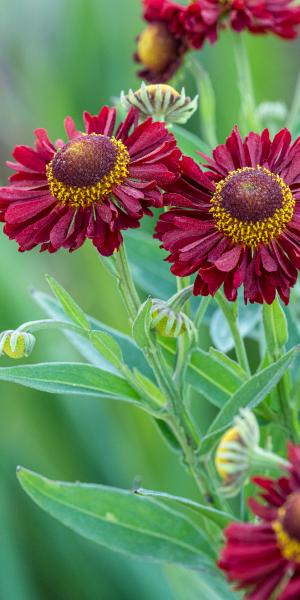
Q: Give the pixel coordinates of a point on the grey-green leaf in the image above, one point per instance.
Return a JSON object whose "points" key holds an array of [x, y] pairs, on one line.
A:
{"points": [[132, 354], [213, 378], [107, 346], [250, 394], [121, 521], [69, 305], [199, 586], [70, 378]]}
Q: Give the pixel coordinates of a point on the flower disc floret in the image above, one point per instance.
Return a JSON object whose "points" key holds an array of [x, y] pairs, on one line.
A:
{"points": [[252, 206], [86, 169]]}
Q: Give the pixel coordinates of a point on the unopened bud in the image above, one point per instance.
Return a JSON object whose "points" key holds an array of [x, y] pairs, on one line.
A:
{"points": [[162, 102], [16, 344], [239, 453], [168, 322]]}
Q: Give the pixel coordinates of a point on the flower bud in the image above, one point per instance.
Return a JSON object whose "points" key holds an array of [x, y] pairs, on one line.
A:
{"points": [[16, 344], [168, 322], [162, 102], [239, 453]]}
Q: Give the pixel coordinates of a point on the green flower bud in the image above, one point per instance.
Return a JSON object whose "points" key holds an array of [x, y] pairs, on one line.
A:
{"points": [[239, 453], [162, 102], [168, 322], [16, 344]]}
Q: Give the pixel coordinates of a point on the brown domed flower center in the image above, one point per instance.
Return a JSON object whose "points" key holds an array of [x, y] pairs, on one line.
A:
{"points": [[87, 168], [156, 47], [287, 528], [252, 206]]}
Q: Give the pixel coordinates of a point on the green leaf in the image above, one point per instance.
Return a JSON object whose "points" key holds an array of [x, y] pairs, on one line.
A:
{"points": [[150, 389], [222, 519], [250, 395], [248, 319], [107, 346], [230, 364], [132, 354], [196, 586], [141, 325], [122, 521], [213, 378], [149, 270], [275, 327], [69, 305], [70, 378]]}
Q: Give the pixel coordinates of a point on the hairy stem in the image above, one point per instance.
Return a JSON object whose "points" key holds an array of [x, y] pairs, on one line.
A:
{"points": [[230, 314]]}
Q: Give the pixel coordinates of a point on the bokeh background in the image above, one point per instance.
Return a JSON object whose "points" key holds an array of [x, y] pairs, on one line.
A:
{"points": [[58, 57]]}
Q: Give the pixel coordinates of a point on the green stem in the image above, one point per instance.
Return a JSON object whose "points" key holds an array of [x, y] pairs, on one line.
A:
{"points": [[294, 114], [230, 314], [248, 103], [126, 284], [178, 418], [207, 103], [200, 314], [275, 328]]}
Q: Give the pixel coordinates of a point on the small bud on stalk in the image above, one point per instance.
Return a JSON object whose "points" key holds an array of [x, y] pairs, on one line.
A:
{"points": [[169, 322], [16, 344], [239, 453], [162, 102]]}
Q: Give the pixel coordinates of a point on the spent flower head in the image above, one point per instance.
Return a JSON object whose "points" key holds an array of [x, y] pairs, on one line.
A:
{"points": [[162, 102]]}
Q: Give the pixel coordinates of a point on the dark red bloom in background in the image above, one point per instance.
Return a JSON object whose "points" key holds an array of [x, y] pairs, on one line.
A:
{"points": [[92, 186], [162, 45], [265, 557], [238, 223], [203, 19], [174, 29]]}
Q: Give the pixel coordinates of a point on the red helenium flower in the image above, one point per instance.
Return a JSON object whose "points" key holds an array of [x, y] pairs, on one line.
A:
{"points": [[203, 19], [92, 186], [238, 222], [162, 45], [265, 556]]}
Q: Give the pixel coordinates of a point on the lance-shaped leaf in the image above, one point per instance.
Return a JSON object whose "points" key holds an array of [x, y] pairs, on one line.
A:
{"points": [[122, 521], [197, 586], [213, 378], [249, 395], [69, 305], [70, 378], [132, 354]]}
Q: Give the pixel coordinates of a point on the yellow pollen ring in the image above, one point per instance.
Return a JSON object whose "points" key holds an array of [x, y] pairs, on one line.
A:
{"points": [[289, 547], [232, 435], [251, 233], [70, 195]]}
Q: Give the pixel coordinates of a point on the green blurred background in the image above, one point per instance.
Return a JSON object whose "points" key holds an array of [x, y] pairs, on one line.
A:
{"points": [[58, 57]]}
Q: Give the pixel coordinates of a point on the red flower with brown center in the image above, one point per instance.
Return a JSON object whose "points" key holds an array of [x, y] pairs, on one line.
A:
{"points": [[92, 186], [264, 558], [162, 45], [203, 19], [239, 221]]}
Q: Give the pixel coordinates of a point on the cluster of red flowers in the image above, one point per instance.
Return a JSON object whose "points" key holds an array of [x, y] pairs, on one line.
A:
{"points": [[264, 557], [173, 29], [235, 223]]}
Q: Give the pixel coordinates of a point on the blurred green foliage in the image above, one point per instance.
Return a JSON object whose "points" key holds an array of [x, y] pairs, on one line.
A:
{"points": [[58, 57]]}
